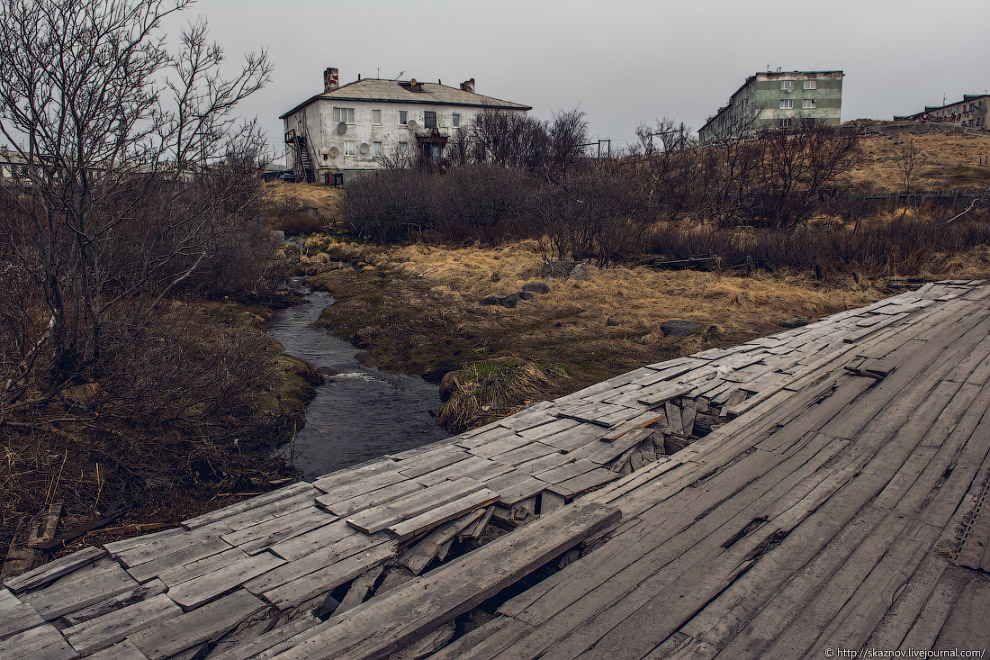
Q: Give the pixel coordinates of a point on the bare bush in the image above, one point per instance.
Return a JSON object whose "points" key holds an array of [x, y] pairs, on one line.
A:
{"points": [[136, 179]]}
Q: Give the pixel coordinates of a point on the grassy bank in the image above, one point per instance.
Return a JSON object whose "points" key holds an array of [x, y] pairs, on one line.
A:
{"points": [[416, 309]]}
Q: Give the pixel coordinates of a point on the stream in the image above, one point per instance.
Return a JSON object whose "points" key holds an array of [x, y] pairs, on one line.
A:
{"points": [[358, 414]]}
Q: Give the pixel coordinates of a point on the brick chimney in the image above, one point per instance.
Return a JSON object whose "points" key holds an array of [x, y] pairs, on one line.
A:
{"points": [[468, 86], [331, 79]]}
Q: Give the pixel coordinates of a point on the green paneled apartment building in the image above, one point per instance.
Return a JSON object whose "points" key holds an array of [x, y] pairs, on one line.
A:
{"points": [[781, 99]]}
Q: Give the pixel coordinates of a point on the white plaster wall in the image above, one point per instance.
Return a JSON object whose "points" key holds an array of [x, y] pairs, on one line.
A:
{"points": [[319, 126]]}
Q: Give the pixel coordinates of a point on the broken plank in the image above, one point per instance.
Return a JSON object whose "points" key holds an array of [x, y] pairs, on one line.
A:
{"points": [[39, 642], [173, 636], [428, 602], [114, 603], [262, 536], [15, 615], [328, 482], [52, 571], [113, 627], [92, 584], [360, 587], [352, 505], [328, 578], [382, 516], [420, 555], [193, 593], [410, 527]]}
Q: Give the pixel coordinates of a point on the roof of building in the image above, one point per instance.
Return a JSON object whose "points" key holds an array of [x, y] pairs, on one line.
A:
{"points": [[402, 91]]}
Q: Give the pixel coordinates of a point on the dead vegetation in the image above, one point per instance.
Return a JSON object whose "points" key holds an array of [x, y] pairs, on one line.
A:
{"points": [[942, 162]]}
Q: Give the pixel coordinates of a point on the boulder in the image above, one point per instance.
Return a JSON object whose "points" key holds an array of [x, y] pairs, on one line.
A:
{"points": [[613, 321], [679, 328], [579, 272], [559, 268], [524, 295], [536, 287], [795, 322]]}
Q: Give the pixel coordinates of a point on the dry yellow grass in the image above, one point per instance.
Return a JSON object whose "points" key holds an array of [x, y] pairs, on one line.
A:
{"points": [[946, 162]]}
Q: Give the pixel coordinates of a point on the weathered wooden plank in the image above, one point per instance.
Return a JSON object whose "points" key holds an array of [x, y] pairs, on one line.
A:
{"points": [[193, 593], [346, 476], [641, 421], [353, 543], [533, 450], [603, 453], [674, 417], [114, 603], [424, 603], [544, 463], [471, 466], [113, 627], [662, 392], [571, 439], [475, 530], [360, 587], [582, 483], [548, 429], [382, 516], [495, 447], [326, 579], [521, 490], [124, 650], [173, 636], [38, 642], [180, 551], [15, 615], [133, 542], [567, 471], [431, 460], [352, 505], [361, 486], [264, 535], [317, 540], [420, 555], [92, 584], [410, 527], [495, 432], [52, 571], [271, 641], [251, 503]]}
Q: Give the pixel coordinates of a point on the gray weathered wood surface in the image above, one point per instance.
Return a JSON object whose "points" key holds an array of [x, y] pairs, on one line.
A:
{"points": [[831, 493]]}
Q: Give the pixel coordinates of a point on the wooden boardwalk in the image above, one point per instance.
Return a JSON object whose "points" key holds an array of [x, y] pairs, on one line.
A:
{"points": [[822, 488]]}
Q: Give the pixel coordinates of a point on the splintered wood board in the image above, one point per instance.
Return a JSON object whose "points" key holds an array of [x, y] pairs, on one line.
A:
{"points": [[392, 621], [383, 516]]}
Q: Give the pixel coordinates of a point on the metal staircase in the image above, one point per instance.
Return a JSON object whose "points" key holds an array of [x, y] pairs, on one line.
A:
{"points": [[303, 161]]}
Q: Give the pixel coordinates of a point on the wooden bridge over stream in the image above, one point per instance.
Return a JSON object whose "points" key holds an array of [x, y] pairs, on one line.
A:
{"points": [[815, 491]]}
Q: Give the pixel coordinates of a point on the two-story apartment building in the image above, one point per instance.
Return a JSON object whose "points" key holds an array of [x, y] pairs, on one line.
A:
{"points": [[781, 99], [357, 127], [972, 112]]}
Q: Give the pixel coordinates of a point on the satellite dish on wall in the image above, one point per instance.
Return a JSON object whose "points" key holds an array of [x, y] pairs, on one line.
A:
{"points": [[334, 151], [364, 148], [341, 128], [411, 124]]}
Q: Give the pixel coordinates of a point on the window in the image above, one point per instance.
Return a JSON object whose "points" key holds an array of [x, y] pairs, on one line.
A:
{"points": [[349, 148], [345, 115], [811, 84], [403, 117], [376, 117], [808, 104], [403, 148], [430, 119], [378, 148], [786, 104], [787, 85], [456, 120], [785, 122]]}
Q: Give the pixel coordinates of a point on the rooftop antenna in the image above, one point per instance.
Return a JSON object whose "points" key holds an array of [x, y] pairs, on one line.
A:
{"points": [[379, 73], [399, 76]]}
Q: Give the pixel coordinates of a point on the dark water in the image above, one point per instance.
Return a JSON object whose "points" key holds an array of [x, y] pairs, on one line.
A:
{"points": [[360, 413]]}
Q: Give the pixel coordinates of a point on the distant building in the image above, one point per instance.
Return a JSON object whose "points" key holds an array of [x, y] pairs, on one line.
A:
{"points": [[779, 100], [971, 112], [356, 127]]}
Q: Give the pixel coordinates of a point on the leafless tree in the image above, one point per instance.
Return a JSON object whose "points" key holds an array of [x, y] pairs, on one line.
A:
{"points": [[909, 160], [123, 140]]}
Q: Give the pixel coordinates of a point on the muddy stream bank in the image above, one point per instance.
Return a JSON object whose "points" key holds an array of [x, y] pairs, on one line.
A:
{"points": [[360, 412]]}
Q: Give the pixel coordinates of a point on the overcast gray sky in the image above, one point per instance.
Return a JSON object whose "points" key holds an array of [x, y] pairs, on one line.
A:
{"points": [[623, 62]]}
